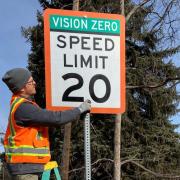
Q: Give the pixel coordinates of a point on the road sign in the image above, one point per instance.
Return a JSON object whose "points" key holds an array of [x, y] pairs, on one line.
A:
{"points": [[85, 59]]}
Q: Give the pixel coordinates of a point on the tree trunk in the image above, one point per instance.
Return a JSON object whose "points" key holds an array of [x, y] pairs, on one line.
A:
{"points": [[122, 7], [76, 5], [117, 148], [117, 133], [67, 132], [66, 151]]}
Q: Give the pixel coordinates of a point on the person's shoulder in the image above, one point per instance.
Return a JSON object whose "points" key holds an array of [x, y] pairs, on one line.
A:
{"points": [[26, 105], [26, 108]]}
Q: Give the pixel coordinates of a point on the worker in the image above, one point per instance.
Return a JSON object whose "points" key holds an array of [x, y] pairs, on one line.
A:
{"points": [[26, 139]]}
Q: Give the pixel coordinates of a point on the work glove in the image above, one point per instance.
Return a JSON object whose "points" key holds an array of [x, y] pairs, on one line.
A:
{"points": [[85, 107]]}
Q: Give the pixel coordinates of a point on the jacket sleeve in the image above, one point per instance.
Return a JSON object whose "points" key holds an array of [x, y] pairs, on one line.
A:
{"points": [[28, 114]]}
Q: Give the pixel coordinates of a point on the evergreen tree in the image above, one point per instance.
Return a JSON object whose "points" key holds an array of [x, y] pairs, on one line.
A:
{"points": [[148, 136]]}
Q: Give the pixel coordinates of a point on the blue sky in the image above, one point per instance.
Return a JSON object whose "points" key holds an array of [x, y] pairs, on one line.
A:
{"points": [[14, 49]]}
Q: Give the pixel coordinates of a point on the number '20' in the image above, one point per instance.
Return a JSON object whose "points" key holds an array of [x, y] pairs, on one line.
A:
{"points": [[66, 96]]}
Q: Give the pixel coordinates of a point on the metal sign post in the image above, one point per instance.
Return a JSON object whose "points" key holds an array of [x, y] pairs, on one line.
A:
{"points": [[87, 146]]}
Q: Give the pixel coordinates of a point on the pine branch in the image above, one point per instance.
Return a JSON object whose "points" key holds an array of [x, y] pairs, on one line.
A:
{"points": [[154, 86]]}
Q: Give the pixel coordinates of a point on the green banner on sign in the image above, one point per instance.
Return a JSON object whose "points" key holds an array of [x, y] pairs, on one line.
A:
{"points": [[84, 24]]}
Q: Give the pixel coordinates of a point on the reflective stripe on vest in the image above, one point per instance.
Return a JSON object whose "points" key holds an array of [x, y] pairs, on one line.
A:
{"points": [[12, 130], [26, 150]]}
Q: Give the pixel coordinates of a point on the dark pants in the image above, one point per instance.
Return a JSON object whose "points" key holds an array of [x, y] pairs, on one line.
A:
{"points": [[26, 177], [8, 176]]}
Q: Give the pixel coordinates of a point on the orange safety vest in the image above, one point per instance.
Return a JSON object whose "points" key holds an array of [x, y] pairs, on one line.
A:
{"points": [[25, 144]]}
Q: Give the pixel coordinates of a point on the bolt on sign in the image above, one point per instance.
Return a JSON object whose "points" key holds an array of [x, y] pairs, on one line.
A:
{"points": [[84, 59]]}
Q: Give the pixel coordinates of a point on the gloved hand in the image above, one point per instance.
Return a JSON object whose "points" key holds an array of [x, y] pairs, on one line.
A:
{"points": [[85, 107]]}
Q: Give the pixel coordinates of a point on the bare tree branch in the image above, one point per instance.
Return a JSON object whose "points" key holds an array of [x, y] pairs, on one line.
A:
{"points": [[166, 11], [135, 9], [96, 162], [151, 172], [63, 7], [153, 86], [168, 176]]}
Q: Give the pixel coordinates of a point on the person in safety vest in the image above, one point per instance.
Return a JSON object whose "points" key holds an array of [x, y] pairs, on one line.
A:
{"points": [[26, 140]]}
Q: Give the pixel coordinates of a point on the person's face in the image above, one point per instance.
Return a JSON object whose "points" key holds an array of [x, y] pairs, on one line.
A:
{"points": [[30, 87]]}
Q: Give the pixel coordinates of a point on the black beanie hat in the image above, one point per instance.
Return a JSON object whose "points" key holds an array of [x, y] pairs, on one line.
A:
{"points": [[16, 78]]}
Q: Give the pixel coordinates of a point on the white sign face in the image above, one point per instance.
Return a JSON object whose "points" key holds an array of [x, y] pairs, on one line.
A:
{"points": [[84, 60]]}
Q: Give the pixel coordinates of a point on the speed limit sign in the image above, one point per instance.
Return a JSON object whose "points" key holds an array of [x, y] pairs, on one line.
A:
{"points": [[84, 59]]}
